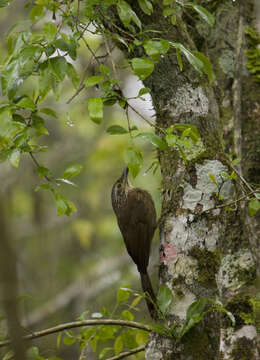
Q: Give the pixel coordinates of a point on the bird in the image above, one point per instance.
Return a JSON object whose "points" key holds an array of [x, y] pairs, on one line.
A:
{"points": [[136, 217]]}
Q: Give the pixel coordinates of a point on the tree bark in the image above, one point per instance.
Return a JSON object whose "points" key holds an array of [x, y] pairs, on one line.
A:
{"points": [[207, 251]]}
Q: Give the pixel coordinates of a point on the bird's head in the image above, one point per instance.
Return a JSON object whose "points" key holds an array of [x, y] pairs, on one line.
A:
{"points": [[120, 189]]}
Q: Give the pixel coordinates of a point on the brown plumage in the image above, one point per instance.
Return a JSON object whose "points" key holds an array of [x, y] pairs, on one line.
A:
{"points": [[136, 217]]}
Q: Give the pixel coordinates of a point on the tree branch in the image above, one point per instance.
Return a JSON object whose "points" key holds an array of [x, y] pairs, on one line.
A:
{"points": [[75, 324], [128, 353]]}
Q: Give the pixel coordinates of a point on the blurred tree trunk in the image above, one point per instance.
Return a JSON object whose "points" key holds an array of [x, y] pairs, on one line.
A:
{"points": [[207, 251], [9, 285]]}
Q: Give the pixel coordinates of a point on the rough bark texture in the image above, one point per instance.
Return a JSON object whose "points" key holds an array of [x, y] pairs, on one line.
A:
{"points": [[208, 251]]}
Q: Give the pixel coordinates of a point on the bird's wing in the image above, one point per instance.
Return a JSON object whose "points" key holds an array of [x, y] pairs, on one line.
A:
{"points": [[138, 227]]}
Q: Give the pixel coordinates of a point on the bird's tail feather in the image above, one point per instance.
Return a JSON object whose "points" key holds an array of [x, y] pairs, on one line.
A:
{"points": [[150, 296]]}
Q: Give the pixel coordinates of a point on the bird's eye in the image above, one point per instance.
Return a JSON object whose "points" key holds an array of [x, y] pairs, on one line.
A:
{"points": [[118, 185]]}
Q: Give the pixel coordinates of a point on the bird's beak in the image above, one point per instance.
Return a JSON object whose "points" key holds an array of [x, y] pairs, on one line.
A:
{"points": [[124, 176], [125, 172]]}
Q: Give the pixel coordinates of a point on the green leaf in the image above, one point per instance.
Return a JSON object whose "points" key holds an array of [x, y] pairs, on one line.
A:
{"points": [[49, 112], [61, 44], [134, 160], [156, 48], [43, 171], [193, 60], [121, 40], [143, 91], [168, 11], [93, 80], [61, 204], [33, 353], [104, 70], [59, 336], [64, 206], [26, 103], [173, 19], [38, 125], [194, 314], [50, 31], [15, 158], [193, 131], [253, 207], [103, 352], [8, 127], [72, 170], [129, 338], [154, 140], [126, 14], [167, 2], [161, 329], [207, 66], [4, 3], [236, 161], [43, 187], [141, 337], [14, 73], [118, 345], [83, 315], [127, 315], [213, 179], [68, 340], [73, 75], [116, 130], [122, 295], [143, 67], [36, 13], [171, 139], [10, 354], [179, 59], [203, 13], [95, 109], [164, 298], [146, 6], [59, 66], [136, 301]]}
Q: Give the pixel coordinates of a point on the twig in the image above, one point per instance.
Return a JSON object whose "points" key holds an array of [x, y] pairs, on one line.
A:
{"points": [[128, 122], [38, 165], [81, 85], [75, 324], [128, 353], [241, 177], [233, 202], [144, 118]]}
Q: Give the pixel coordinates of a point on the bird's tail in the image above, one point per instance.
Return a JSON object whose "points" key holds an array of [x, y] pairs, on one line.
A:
{"points": [[150, 296]]}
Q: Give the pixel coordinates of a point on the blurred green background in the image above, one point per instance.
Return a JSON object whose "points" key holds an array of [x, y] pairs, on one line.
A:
{"points": [[67, 265]]}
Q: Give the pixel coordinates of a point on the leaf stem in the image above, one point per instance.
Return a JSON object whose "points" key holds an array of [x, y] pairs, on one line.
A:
{"points": [[75, 324], [128, 353]]}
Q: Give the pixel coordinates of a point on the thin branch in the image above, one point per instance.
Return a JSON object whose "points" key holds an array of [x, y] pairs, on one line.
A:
{"points": [[233, 202], [75, 324], [81, 85], [241, 178], [38, 165], [128, 353], [144, 118]]}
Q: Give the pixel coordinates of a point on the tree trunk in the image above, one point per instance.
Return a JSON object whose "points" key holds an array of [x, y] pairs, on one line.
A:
{"points": [[207, 251]]}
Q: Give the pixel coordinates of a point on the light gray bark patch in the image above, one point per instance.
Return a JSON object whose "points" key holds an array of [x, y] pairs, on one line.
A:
{"points": [[229, 338], [189, 100], [232, 268], [227, 62], [205, 188], [185, 234]]}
